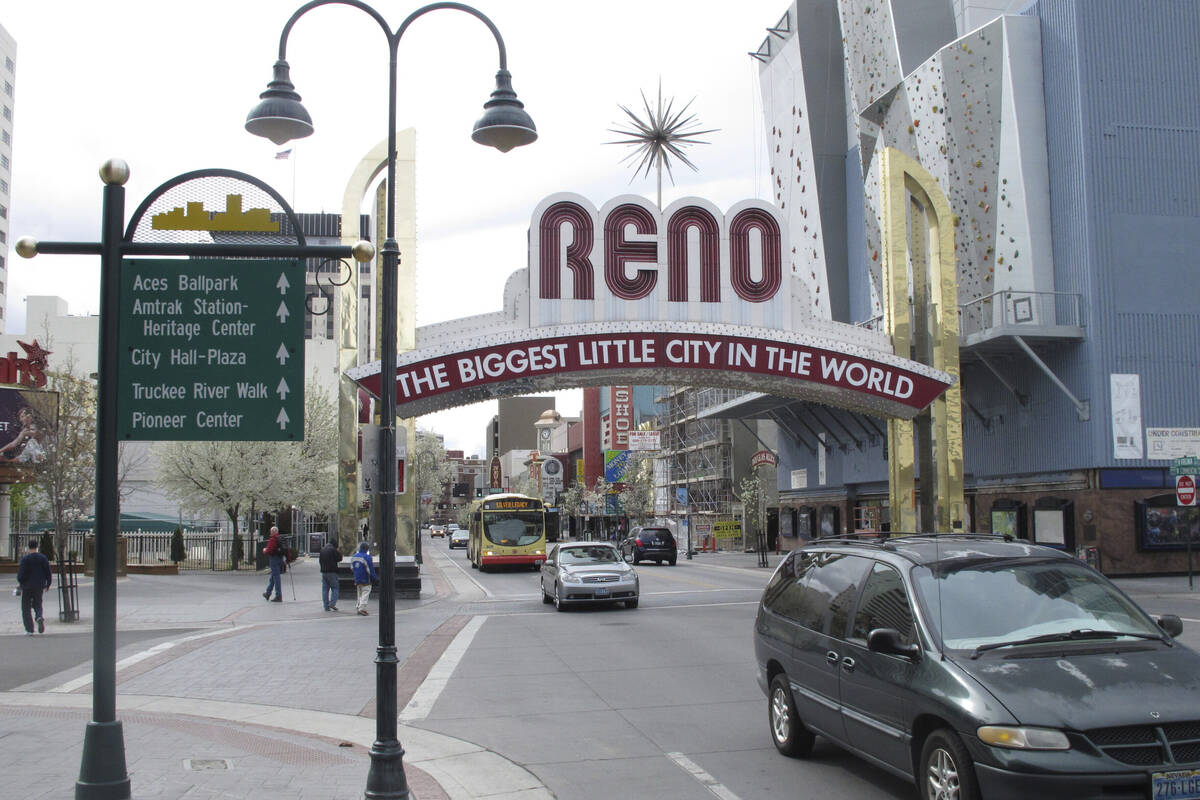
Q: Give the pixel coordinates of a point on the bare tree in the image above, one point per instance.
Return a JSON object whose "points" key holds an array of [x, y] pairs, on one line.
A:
{"points": [[63, 484], [637, 498], [238, 476], [431, 470]]}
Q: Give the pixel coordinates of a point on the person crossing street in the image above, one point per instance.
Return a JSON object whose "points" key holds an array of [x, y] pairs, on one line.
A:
{"points": [[364, 575], [329, 558]]}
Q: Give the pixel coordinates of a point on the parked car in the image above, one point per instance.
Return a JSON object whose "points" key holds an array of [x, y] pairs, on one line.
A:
{"points": [[458, 538], [978, 666], [587, 572], [649, 544], [437, 530]]}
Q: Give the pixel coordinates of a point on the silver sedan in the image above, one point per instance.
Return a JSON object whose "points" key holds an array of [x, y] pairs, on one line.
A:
{"points": [[587, 572]]}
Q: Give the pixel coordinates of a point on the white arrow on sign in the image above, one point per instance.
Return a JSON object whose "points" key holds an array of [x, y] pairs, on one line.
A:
{"points": [[283, 419], [282, 284], [282, 312], [282, 354], [283, 389]]}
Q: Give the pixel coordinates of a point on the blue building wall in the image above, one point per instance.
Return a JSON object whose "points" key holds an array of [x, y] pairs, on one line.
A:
{"points": [[1122, 95]]}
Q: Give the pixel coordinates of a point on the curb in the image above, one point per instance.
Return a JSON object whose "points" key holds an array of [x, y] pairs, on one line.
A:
{"points": [[465, 771]]}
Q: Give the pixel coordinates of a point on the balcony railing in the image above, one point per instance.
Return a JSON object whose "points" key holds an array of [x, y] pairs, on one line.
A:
{"points": [[1019, 312], [1013, 312]]}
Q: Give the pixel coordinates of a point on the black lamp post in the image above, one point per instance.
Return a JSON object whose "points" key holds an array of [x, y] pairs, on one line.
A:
{"points": [[504, 125]]}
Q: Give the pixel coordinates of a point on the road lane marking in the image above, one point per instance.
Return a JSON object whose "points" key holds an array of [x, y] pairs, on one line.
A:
{"points": [[466, 573], [709, 782], [84, 680], [439, 674]]}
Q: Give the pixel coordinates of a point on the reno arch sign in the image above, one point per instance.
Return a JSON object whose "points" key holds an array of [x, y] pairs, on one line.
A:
{"points": [[627, 294]]}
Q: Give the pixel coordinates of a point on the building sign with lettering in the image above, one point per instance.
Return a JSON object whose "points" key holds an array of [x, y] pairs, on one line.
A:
{"points": [[211, 350], [628, 294]]}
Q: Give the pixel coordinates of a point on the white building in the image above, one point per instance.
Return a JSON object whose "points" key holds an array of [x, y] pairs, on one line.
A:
{"points": [[8, 82]]}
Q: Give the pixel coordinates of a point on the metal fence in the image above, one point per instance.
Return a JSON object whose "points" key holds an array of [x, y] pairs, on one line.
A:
{"points": [[207, 547]]}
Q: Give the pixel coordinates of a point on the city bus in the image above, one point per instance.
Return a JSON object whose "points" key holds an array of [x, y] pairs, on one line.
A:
{"points": [[507, 529]]}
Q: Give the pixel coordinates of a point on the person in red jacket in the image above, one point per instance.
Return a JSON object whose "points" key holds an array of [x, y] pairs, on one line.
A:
{"points": [[275, 553]]}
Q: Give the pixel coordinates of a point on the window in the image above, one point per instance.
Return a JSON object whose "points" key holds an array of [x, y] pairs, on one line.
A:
{"points": [[8, 113], [9, 65], [3, 211], [3, 187], [8, 90], [785, 594], [832, 589], [4, 161], [3, 237], [884, 605], [5, 137]]}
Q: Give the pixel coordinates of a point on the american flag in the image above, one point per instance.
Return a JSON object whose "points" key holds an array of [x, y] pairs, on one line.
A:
{"points": [[282, 154]]}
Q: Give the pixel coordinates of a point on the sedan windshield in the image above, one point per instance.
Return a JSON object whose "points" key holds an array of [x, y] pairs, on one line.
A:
{"points": [[588, 555], [989, 603], [513, 528]]}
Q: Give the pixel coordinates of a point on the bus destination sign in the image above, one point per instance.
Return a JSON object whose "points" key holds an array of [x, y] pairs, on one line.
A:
{"points": [[211, 350], [512, 505]]}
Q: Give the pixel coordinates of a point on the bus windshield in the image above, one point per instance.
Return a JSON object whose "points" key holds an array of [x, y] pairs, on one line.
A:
{"points": [[513, 528]]}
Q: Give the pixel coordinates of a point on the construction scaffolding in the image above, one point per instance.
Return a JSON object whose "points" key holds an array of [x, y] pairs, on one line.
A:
{"points": [[695, 478]]}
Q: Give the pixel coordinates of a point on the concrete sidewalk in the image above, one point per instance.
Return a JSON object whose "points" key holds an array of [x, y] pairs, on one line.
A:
{"points": [[223, 695]]}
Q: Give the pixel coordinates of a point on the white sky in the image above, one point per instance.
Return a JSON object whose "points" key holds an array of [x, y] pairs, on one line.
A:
{"points": [[166, 86]]}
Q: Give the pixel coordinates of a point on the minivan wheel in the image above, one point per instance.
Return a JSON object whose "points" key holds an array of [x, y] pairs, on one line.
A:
{"points": [[947, 772], [787, 731]]}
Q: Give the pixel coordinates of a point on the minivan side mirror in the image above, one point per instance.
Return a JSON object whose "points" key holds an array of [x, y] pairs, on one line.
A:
{"points": [[1171, 624], [887, 640]]}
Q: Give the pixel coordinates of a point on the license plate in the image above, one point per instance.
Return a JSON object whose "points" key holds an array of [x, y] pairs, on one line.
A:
{"points": [[602, 593], [1182, 784]]}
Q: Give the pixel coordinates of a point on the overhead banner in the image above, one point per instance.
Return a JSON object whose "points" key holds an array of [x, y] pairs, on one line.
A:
{"points": [[629, 294]]}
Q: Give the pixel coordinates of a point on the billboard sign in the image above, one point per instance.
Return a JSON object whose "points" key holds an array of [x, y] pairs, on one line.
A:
{"points": [[28, 427], [644, 440], [615, 464]]}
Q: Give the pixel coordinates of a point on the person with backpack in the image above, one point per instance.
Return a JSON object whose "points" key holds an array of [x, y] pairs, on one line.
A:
{"points": [[364, 574], [275, 553]]}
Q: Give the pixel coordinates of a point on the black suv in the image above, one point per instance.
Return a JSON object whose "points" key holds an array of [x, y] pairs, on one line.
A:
{"points": [[649, 544], [978, 666]]}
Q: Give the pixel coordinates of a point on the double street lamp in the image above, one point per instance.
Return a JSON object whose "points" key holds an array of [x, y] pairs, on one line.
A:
{"points": [[504, 125]]}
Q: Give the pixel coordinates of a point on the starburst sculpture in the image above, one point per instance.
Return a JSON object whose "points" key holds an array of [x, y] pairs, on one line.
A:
{"points": [[659, 137]]}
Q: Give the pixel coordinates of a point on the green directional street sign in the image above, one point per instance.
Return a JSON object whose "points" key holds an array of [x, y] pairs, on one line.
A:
{"points": [[212, 350], [1186, 465]]}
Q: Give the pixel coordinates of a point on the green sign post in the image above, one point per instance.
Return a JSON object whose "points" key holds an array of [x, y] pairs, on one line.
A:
{"points": [[211, 349], [1185, 465]]}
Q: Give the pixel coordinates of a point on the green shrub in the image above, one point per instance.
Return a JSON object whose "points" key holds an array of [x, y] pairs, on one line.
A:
{"points": [[178, 552]]}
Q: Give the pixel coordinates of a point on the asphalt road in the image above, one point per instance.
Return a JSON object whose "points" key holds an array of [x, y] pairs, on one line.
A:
{"points": [[660, 701]]}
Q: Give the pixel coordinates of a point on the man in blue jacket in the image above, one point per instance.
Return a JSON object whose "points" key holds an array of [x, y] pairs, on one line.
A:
{"points": [[364, 574], [33, 574]]}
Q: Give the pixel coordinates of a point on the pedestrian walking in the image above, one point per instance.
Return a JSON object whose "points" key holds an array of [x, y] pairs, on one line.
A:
{"points": [[330, 557], [364, 574], [34, 577], [275, 552]]}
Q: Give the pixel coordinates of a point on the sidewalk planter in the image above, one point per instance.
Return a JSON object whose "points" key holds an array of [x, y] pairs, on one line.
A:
{"points": [[407, 580]]}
